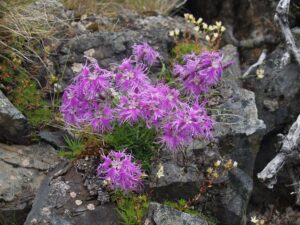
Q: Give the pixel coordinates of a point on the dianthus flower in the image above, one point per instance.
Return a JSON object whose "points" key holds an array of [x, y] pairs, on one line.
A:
{"points": [[200, 72], [81, 105], [186, 124], [132, 76], [145, 53], [97, 98], [120, 171]]}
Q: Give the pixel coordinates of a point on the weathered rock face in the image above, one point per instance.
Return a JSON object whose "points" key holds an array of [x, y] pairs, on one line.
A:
{"points": [[278, 92], [14, 126], [236, 136], [54, 138], [66, 197], [22, 170], [277, 99], [163, 215], [110, 48]]}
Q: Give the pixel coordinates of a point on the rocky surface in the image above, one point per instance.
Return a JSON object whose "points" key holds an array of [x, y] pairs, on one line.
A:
{"points": [[54, 138], [237, 136], [163, 215], [13, 124], [277, 99], [110, 48], [22, 170], [67, 197]]}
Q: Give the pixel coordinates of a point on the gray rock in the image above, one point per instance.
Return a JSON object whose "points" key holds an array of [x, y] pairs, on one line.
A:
{"points": [[55, 138], [22, 170], [277, 94], [64, 199], [237, 135], [163, 215], [111, 47], [14, 126]]}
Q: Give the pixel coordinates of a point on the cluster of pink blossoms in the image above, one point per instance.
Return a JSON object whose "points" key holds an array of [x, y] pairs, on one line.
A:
{"points": [[119, 170], [98, 97], [200, 72]]}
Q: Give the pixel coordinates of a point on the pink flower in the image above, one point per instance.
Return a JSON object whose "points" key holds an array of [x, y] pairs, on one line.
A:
{"points": [[145, 53], [120, 171], [200, 72]]}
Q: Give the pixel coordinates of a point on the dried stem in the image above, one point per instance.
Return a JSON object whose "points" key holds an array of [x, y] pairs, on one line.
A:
{"points": [[281, 17]]}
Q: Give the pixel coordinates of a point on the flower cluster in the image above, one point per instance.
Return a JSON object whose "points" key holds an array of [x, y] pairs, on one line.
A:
{"points": [[200, 72], [119, 171], [212, 32], [97, 97]]}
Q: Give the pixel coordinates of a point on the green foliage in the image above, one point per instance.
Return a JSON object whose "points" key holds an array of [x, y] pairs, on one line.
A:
{"points": [[136, 138], [181, 205], [166, 75], [183, 48], [25, 95], [131, 208], [74, 148]]}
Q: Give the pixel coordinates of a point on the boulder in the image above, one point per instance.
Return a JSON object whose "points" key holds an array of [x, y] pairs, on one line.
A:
{"points": [[237, 135], [73, 195], [22, 170], [13, 124], [163, 215]]}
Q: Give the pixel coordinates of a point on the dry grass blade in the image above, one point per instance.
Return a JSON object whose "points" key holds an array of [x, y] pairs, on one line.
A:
{"points": [[113, 7]]}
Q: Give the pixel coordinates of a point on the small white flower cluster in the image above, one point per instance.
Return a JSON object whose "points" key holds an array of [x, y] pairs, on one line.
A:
{"points": [[220, 166], [211, 32], [174, 33], [257, 221]]}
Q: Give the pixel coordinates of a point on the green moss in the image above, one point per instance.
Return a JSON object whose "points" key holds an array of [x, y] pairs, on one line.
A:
{"points": [[136, 138], [25, 95], [29, 100]]}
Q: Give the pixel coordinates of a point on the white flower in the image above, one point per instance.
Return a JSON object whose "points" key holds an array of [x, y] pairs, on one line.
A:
{"points": [[218, 23], [73, 194], [235, 164], [191, 17], [90, 207], [196, 28], [186, 15], [199, 20], [217, 163], [160, 172], [78, 202], [254, 219], [205, 26], [176, 31], [216, 35], [223, 29], [172, 33], [260, 73]]}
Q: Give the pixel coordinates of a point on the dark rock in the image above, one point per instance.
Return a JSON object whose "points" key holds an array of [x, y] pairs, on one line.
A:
{"points": [[22, 171], [163, 215], [277, 100], [13, 124], [237, 136], [277, 94], [64, 199], [54, 138]]}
